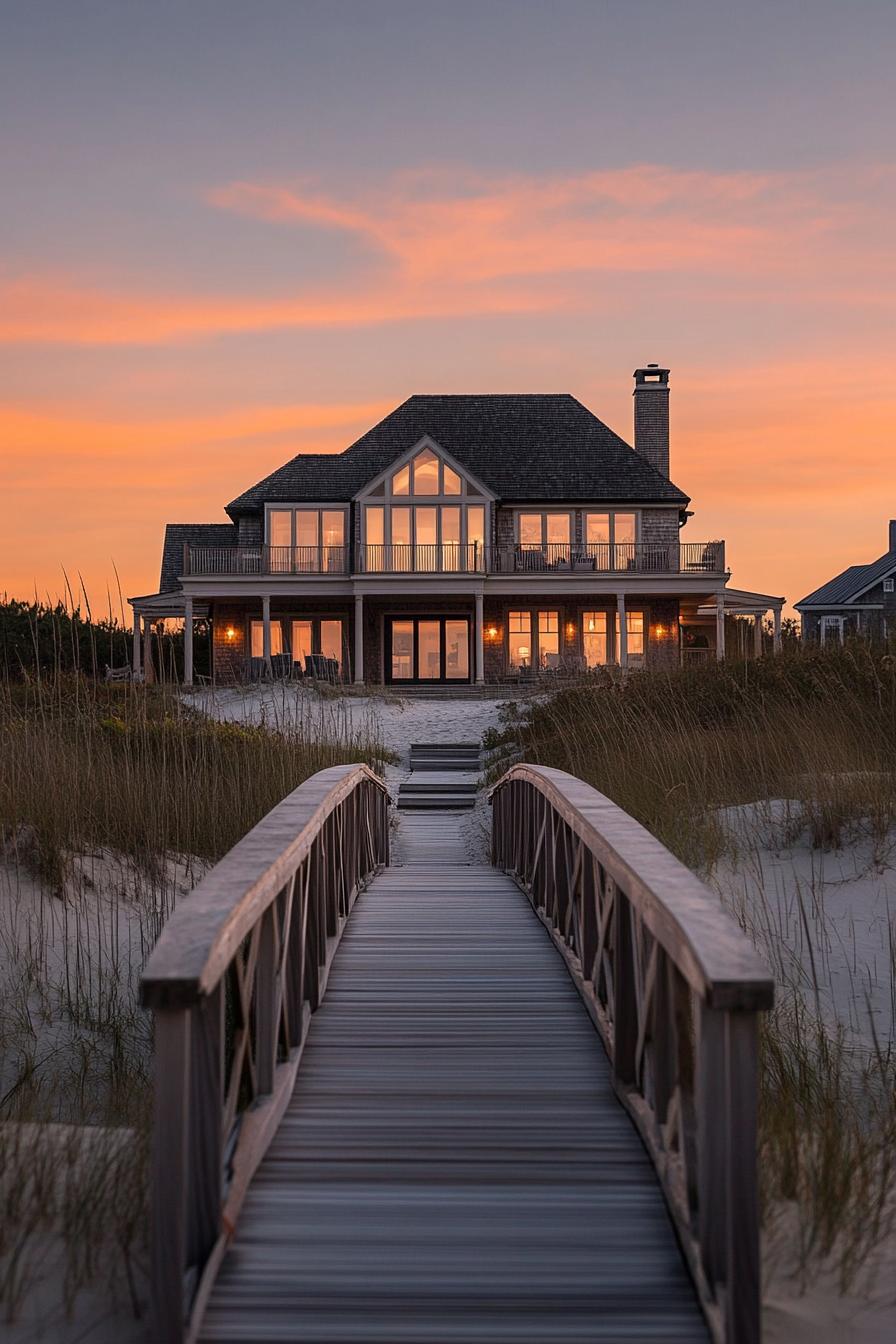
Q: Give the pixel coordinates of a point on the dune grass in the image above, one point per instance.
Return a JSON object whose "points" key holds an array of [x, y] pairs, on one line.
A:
{"points": [[817, 728], [114, 800]]}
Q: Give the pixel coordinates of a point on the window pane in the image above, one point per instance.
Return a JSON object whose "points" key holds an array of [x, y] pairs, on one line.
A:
{"points": [[530, 529], [450, 537], [331, 640], [402, 650], [634, 625], [301, 642], [594, 638], [558, 528], [374, 526], [280, 525], [475, 536], [548, 639], [280, 539], [429, 657], [519, 638], [457, 650], [426, 473], [257, 638], [401, 481], [597, 528], [400, 553], [451, 482], [425, 551], [597, 539], [624, 527], [306, 527], [332, 530]]}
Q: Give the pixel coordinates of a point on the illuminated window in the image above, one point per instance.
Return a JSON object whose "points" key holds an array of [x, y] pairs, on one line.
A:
{"points": [[610, 539], [548, 639], [426, 473], [304, 541], [519, 637], [634, 625], [594, 638], [401, 481], [548, 532], [451, 482], [257, 638]]}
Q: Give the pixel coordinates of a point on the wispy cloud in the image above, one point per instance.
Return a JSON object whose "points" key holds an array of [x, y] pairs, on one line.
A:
{"points": [[440, 245]]}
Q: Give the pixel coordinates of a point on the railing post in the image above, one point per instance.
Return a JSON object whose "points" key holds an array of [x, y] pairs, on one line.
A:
{"points": [[170, 1171], [712, 1212], [625, 1005], [206, 1138], [742, 1295], [266, 1002]]}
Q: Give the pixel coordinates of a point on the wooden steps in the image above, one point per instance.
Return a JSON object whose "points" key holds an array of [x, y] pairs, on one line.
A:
{"points": [[444, 776]]}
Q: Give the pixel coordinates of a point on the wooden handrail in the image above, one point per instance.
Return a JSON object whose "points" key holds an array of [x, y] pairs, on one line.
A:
{"points": [[673, 987], [232, 982]]}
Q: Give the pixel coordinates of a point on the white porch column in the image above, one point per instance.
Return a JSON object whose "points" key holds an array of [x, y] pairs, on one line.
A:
{"points": [[136, 664], [188, 640], [622, 651], [359, 639], [720, 626], [777, 619], [757, 633], [266, 632], [480, 646]]}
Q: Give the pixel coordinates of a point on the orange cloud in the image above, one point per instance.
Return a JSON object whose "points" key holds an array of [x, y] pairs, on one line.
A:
{"points": [[458, 245]]}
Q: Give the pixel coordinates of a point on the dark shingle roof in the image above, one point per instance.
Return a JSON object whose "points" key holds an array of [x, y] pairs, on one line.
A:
{"points": [[851, 583], [528, 447], [197, 534]]}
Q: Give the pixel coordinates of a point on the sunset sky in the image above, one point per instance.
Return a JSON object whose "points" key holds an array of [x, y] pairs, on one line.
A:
{"points": [[230, 232]]}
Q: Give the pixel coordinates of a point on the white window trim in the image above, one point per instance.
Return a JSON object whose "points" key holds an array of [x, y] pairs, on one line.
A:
{"points": [[611, 514], [830, 621]]}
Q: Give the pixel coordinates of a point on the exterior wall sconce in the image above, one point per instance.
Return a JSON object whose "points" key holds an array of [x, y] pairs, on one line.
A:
{"points": [[230, 634], [492, 632], [570, 630], [660, 631]]}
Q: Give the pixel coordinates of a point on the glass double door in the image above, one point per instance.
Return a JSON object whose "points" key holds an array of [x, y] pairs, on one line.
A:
{"points": [[427, 648]]}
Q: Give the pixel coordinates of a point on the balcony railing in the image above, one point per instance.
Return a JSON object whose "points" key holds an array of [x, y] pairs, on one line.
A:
{"points": [[449, 558], [642, 557], [631, 557], [235, 560]]}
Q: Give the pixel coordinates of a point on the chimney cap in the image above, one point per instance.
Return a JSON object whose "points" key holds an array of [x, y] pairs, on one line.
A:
{"points": [[651, 375]]}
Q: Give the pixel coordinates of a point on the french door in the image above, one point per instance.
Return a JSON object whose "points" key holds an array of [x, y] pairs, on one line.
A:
{"points": [[427, 649]]}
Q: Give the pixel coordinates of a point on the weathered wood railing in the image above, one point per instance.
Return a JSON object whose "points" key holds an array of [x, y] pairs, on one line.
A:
{"points": [[673, 987], [232, 982]]}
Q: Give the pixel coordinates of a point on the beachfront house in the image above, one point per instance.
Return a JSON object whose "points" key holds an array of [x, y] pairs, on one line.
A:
{"points": [[860, 601], [463, 539]]}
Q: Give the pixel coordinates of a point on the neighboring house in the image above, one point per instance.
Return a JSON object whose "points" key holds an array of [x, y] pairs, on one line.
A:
{"points": [[462, 539], [860, 601]]}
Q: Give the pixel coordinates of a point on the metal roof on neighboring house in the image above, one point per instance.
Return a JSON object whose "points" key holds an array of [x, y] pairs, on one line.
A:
{"points": [[849, 585], [196, 534], [522, 447]]}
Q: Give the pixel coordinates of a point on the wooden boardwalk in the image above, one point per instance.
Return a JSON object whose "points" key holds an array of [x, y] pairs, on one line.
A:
{"points": [[453, 1164]]}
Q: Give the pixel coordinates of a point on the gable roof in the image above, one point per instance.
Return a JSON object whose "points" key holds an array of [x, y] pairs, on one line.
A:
{"points": [[852, 583], [196, 534], [523, 447]]}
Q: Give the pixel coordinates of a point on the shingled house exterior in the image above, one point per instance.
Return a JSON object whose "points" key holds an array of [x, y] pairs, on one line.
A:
{"points": [[860, 601], [462, 539]]}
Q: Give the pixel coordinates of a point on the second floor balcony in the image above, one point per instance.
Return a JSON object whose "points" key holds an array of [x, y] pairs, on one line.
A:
{"points": [[598, 558]]}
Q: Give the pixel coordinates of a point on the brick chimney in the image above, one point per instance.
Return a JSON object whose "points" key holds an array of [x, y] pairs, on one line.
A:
{"points": [[893, 534], [652, 416]]}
